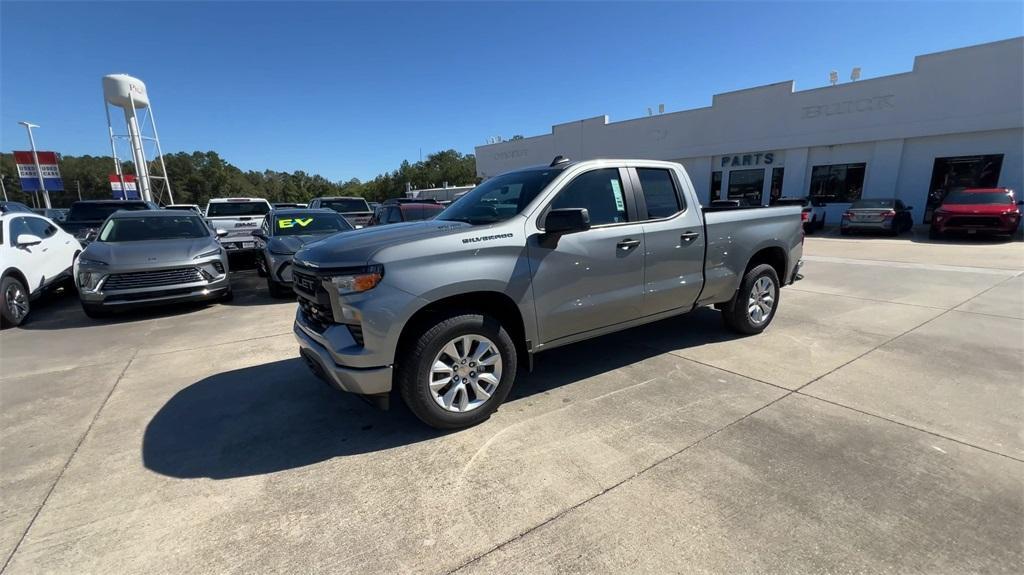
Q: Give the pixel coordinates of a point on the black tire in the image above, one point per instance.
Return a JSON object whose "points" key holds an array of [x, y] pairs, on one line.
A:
{"points": [[227, 296], [11, 286], [844, 232], [95, 311], [811, 227], [735, 314], [277, 290], [934, 234], [414, 374]]}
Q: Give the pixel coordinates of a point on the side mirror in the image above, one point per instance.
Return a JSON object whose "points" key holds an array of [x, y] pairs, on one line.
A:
{"points": [[222, 233], [25, 240], [567, 220]]}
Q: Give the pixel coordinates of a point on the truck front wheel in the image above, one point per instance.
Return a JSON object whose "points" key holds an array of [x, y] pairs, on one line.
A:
{"points": [[458, 370], [753, 306]]}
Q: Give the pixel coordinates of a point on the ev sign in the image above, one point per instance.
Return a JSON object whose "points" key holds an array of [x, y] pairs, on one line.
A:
{"points": [[30, 177], [285, 223]]}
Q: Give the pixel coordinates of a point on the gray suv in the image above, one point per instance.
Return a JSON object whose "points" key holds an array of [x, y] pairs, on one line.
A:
{"points": [[151, 257], [448, 310]]}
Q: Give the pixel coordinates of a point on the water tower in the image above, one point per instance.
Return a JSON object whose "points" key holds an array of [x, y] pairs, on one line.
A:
{"points": [[129, 94]]}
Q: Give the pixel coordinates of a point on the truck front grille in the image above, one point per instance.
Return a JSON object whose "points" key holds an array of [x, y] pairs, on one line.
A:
{"points": [[158, 278], [318, 317]]}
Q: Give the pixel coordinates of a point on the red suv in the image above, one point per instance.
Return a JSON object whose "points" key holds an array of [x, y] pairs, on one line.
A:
{"points": [[393, 213], [985, 210]]}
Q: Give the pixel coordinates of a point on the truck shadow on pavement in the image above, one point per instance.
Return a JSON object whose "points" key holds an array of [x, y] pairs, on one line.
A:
{"points": [[278, 416]]}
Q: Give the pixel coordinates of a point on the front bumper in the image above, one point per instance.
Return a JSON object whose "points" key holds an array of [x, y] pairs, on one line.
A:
{"points": [[364, 381], [1003, 227], [217, 284]]}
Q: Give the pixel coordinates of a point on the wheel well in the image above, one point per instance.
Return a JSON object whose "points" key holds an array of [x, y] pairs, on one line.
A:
{"points": [[16, 273], [495, 304], [773, 256]]}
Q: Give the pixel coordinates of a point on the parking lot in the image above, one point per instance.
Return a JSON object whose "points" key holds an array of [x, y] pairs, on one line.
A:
{"points": [[878, 425]]}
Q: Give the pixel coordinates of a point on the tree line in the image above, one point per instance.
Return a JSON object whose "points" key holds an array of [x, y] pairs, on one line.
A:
{"points": [[198, 176]]}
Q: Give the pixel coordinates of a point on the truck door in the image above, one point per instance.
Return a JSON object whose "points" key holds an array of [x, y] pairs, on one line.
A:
{"points": [[594, 278], [674, 241]]}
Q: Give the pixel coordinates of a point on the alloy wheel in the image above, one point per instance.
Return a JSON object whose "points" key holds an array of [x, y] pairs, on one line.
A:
{"points": [[761, 300], [465, 373], [17, 302]]}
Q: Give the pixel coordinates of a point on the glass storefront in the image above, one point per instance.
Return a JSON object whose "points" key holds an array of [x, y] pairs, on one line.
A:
{"points": [[958, 173], [747, 186], [837, 183], [716, 187], [776, 187]]}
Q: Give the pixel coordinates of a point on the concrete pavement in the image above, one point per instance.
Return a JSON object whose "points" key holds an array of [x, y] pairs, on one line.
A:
{"points": [[876, 426]]}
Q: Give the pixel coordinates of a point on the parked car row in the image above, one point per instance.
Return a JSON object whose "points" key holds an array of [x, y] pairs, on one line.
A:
{"points": [[120, 254]]}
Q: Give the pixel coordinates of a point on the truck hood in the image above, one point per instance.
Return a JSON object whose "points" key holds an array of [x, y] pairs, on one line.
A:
{"points": [[154, 252], [978, 209], [292, 244], [357, 247]]}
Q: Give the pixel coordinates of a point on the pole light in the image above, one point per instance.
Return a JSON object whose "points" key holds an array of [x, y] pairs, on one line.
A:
{"points": [[35, 158]]}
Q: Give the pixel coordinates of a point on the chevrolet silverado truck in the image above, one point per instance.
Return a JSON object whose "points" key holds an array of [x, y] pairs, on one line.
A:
{"points": [[446, 311], [239, 217]]}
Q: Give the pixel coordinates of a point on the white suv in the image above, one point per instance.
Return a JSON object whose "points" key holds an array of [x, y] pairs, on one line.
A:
{"points": [[35, 254]]}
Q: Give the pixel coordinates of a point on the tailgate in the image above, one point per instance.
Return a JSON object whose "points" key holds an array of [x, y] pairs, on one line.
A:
{"points": [[236, 226]]}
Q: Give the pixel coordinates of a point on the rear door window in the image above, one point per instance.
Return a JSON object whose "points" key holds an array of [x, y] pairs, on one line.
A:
{"points": [[660, 193]]}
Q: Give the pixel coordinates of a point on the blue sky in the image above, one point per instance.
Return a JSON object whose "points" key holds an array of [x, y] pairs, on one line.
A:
{"points": [[350, 90]]}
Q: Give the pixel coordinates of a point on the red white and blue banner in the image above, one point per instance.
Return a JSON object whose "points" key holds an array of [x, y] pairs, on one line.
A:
{"points": [[29, 176], [129, 191]]}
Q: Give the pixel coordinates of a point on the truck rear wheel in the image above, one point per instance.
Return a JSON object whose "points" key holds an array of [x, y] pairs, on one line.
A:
{"points": [[459, 370], [753, 306]]}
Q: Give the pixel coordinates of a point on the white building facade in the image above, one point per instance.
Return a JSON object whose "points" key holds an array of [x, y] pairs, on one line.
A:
{"points": [[956, 120]]}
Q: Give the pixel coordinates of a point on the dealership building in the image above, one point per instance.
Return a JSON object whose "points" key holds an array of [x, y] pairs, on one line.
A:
{"points": [[955, 120]]}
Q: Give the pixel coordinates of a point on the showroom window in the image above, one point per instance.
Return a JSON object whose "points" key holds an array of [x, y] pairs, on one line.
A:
{"points": [[776, 187], [838, 183], [716, 186], [746, 186], [960, 172]]}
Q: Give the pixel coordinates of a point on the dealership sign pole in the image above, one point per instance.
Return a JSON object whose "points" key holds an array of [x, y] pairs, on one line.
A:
{"points": [[38, 171]]}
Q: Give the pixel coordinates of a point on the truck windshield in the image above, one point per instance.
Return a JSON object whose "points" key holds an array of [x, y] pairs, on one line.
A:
{"points": [[144, 228], [499, 198], [346, 205], [82, 211], [309, 223], [978, 198], [228, 209]]}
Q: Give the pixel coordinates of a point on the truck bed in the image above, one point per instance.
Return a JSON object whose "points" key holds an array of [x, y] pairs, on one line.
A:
{"points": [[733, 234]]}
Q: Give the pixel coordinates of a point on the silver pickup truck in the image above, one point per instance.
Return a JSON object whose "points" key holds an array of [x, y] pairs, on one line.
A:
{"points": [[448, 310]]}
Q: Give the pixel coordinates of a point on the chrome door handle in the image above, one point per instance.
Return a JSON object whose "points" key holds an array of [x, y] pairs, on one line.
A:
{"points": [[628, 244], [689, 237]]}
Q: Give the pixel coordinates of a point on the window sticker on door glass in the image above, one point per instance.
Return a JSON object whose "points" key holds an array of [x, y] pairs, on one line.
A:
{"points": [[617, 193]]}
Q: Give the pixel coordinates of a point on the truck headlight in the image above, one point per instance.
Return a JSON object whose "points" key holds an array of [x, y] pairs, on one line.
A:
{"points": [[360, 281]]}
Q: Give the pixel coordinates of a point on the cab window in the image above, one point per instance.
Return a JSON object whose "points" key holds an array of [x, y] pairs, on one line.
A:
{"points": [[600, 192], [660, 194]]}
